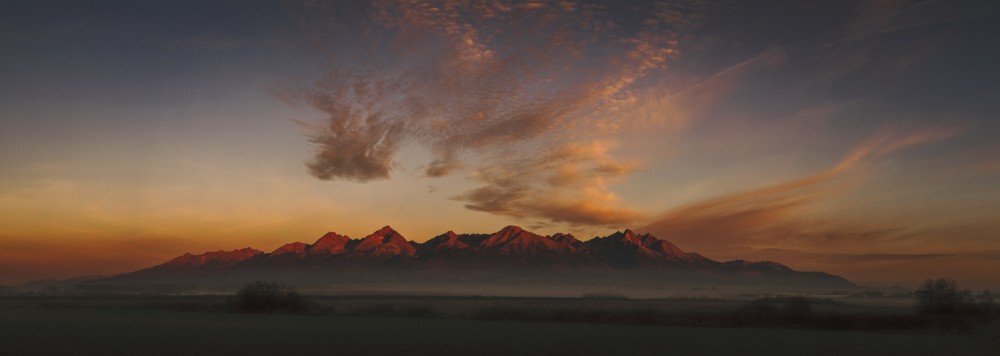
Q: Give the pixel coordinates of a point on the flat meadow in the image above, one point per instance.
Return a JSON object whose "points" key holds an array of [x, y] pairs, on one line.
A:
{"points": [[391, 325]]}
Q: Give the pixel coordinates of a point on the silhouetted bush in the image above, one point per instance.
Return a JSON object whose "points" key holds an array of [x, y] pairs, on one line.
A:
{"points": [[942, 296], [260, 296]]}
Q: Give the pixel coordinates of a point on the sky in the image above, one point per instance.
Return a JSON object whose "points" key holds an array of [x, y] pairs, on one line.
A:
{"points": [[859, 138]]}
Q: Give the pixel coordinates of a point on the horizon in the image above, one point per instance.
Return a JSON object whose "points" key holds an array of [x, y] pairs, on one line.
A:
{"points": [[859, 138], [278, 250]]}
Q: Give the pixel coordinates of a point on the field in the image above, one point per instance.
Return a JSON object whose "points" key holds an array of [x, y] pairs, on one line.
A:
{"points": [[376, 326]]}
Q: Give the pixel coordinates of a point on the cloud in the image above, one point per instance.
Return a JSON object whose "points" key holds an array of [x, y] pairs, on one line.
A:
{"points": [[857, 257], [355, 146], [882, 257], [848, 49], [674, 105], [567, 185], [501, 91], [763, 215]]}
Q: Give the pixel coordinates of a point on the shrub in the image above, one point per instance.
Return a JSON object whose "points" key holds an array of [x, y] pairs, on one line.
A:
{"points": [[942, 296], [260, 296]]}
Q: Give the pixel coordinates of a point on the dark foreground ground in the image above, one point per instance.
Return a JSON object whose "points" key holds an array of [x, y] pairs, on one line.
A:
{"points": [[60, 330]]}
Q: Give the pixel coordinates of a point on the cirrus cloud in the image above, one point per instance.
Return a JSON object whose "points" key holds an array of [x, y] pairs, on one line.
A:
{"points": [[502, 91]]}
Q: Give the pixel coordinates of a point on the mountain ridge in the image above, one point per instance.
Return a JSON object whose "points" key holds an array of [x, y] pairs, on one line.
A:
{"points": [[512, 248]]}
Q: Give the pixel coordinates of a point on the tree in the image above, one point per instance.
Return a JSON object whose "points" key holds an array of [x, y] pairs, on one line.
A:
{"points": [[942, 296], [260, 296]]}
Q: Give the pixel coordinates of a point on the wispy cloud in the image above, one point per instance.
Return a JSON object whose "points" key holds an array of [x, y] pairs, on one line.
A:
{"points": [[673, 106], [501, 91], [857, 257], [568, 184], [761, 215]]}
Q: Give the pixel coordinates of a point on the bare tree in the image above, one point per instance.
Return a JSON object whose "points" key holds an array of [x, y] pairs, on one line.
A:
{"points": [[942, 296]]}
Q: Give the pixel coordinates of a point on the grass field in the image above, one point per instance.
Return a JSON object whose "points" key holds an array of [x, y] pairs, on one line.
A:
{"points": [[62, 330]]}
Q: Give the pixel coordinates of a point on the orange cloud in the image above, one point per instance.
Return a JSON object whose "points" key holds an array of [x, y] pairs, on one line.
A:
{"points": [[757, 217], [503, 93], [569, 184]]}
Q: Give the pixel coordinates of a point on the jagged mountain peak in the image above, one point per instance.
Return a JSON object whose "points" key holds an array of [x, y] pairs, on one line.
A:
{"points": [[627, 236], [513, 240], [446, 241], [448, 235], [510, 247], [385, 233], [384, 242], [511, 230], [329, 243], [564, 237], [221, 258], [296, 248], [385, 230]]}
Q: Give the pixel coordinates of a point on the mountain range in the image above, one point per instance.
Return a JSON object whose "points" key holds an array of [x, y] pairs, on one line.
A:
{"points": [[512, 256]]}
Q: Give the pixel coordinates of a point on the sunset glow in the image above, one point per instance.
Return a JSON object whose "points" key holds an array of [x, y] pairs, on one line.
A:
{"points": [[858, 138]]}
